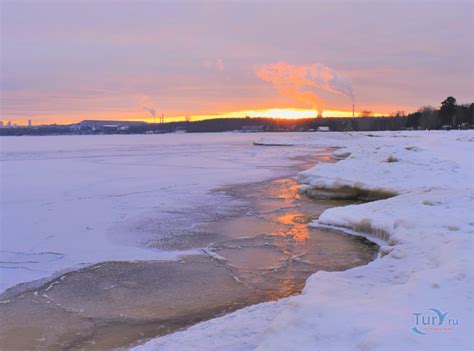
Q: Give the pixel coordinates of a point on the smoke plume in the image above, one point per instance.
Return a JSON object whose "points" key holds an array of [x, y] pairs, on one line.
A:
{"points": [[147, 105], [300, 82]]}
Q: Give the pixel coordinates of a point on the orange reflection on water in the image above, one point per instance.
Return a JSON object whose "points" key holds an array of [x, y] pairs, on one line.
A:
{"points": [[284, 189], [298, 227], [295, 223]]}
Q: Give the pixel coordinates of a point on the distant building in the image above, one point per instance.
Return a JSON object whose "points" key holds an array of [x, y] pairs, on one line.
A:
{"points": [[252, 129], [180, 130], [29, 123], [9, 124], [90, 123], [323, 129], [1, 124]]}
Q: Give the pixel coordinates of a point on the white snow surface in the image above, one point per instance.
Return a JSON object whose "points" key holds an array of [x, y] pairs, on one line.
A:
{"points": [[71, 201], [425, 263]]}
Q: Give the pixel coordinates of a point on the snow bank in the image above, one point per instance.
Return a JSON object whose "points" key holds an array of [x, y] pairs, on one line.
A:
{"points": [[426, 263], [392, 166], [418, 295]]}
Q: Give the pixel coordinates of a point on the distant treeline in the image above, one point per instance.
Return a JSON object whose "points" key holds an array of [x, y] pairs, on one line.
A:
{"points": [[448, 115]]}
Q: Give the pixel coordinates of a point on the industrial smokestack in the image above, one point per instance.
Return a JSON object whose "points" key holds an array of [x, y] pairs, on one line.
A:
{"points": [[352, 110]]}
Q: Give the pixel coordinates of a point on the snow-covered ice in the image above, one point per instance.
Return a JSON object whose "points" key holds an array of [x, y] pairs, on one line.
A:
{"points": [[418, 295], [70, 201]]}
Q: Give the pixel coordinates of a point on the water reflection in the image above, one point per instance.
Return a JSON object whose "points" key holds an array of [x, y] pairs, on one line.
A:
{"points": [[285, 189], [297, 223], [274, 250]]}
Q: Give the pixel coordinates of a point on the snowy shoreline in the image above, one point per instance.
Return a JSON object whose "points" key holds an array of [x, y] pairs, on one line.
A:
{"points": [[425, 266]]}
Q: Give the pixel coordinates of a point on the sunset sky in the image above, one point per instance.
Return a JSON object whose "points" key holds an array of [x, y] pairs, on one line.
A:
{"points": [[64, 61]]}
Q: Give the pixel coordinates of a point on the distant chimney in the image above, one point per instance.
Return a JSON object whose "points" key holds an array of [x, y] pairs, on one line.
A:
{"points": [[352, 110]]}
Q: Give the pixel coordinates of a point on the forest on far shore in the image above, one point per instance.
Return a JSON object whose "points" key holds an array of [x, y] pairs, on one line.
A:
{"points": [[448, 115]]}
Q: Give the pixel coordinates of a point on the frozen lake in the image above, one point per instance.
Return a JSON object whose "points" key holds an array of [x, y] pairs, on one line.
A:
{"points": [[71, 201], [127, 234]]}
